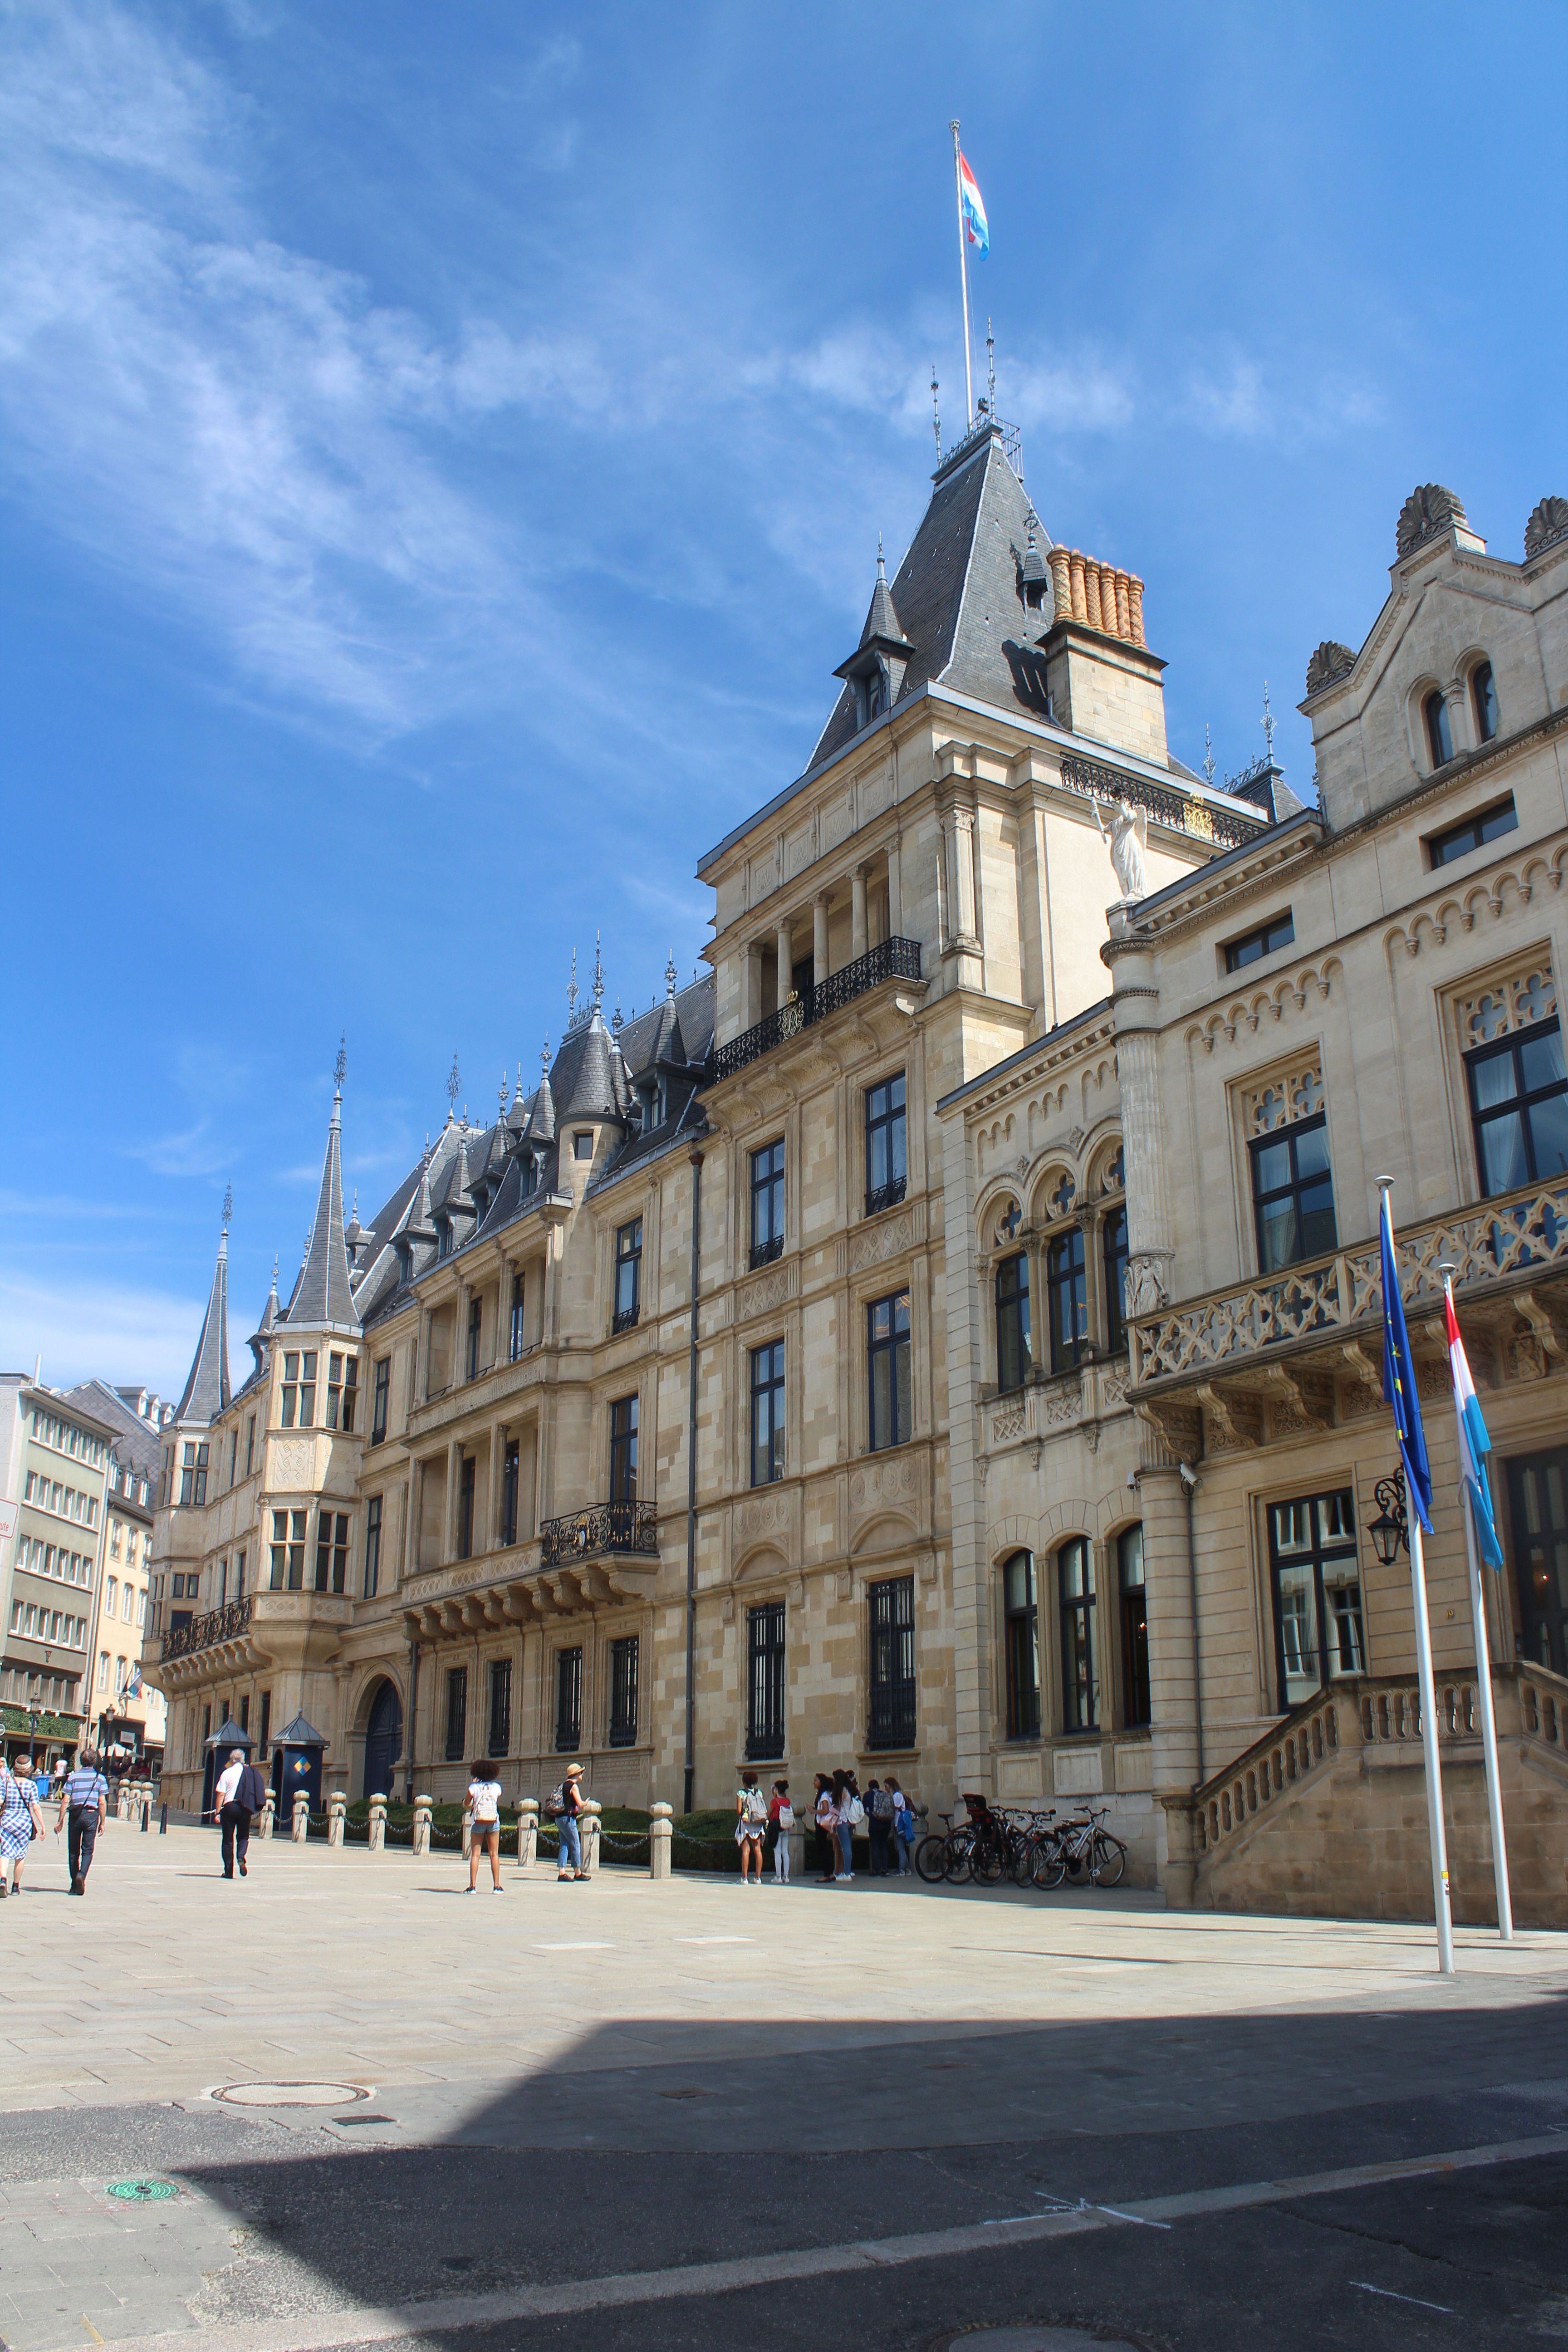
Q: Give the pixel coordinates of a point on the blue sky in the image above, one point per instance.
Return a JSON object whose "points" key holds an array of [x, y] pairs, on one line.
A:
{"points": [[441, 459]]}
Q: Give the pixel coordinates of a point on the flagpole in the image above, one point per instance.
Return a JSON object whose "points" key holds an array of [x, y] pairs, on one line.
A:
{"points": [[964, 282], [1484, 1692]]}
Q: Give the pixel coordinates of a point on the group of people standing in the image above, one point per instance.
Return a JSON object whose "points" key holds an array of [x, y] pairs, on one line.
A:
{"points": [[838, 1812]]}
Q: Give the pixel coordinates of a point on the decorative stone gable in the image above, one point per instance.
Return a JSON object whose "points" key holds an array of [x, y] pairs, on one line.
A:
{"points": [[1428, 511], [1331, 661]]}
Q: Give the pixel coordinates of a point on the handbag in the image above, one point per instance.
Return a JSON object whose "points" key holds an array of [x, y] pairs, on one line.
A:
{"points": [[786, 1817], [854, 1814]]}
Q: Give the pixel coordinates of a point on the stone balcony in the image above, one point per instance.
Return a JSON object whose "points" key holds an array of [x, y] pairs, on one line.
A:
{"points": [[584, 1561], [1269, 1357], [892, 960], [229, 1623]]}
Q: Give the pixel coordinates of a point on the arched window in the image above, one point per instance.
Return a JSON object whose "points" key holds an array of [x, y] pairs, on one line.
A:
{"points": [[1439, 740], [1483, 693], [1021, 1637], [1080, 1674], [1013, 1321], [1065, 1293]]}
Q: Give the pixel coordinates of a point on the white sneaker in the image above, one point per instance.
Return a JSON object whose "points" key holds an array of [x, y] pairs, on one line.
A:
{"points": [[498, 1890]]}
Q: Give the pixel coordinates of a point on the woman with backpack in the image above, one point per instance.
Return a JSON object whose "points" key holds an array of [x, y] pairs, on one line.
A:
{"points": [[781, 1820], [484, 1825], [903, 1847], [825, 1811], [751, 1825], [851, 1814], [570, 1800], [879, 1824]]}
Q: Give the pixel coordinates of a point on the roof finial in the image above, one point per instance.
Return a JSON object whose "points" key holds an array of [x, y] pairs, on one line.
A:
{"points": [[571, 993], [598, 974], [991, 367], [669, 977], [454, 1086], [341, 1066], [615, 1018], [544, 1055], [1267, 722], [1209, 755], [227, 1206], [500, 1090], [935, 412], [882, 562]]}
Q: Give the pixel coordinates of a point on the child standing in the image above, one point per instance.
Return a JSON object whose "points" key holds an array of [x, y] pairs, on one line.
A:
{"points": [[484, 1830], [781, 1815], [751, 1825]]}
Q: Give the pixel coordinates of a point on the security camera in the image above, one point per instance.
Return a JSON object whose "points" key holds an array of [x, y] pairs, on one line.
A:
{"points": [[1189, 1476], [1132, 1477]]}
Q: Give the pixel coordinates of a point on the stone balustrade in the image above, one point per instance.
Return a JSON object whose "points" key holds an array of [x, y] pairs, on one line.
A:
{"points": [[1099, 595]]}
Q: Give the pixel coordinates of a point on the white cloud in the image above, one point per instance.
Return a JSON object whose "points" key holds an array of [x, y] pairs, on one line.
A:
{"points": [[87, 1329]]}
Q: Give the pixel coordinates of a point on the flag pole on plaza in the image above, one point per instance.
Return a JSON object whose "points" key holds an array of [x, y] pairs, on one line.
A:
{"points": [[1480, 1529], [963, 276], [1399, 1389]]}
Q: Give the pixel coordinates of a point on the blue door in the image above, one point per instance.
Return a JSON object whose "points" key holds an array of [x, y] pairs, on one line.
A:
{"points": [[383, 1741]]}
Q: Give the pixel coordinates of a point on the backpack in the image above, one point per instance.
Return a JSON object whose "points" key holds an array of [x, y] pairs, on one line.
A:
{"points": [[555, 1803], [786, 1815], [882, 1805], [855, 1813], [754, 1805]]}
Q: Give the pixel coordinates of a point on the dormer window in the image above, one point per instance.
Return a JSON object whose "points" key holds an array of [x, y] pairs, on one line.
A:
{"points": [[1439, 737], [1483, 692], [876, 695], [444, 1245]]}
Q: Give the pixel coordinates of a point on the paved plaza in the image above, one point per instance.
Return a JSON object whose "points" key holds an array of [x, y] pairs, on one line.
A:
{"points": [[696, 2114]]}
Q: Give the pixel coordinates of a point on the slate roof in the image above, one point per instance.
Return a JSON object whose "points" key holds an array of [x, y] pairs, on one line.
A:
{"points": [[208, 1392], [323, 1293], [135, 1440]]}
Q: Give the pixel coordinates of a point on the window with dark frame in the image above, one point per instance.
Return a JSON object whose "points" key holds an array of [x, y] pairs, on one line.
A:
{"points": [[516, 1336], [264, 1729], [568, 1701], [1293, 1195], [1439, 735], [1472, 832], [1136, 1709], [1518, 1108], [624, 1450], [1013, 1321], [886, 1163], [767, 1202], [1113, 1255], [1483, 700], [456, 1712], [623, 1691], [476, 1331], [371, 1546], [249, 1443], [1538, 1516], [583, 1146], [767, 1413], [1080, 1671], [378, 1401], [332, 1551], [1315, 1572], [193, 1473], [887, 1362], [1280, 931], [628, 1275], [1021, 1645], [1067, 1300], [766, 1681], [511, 1465], [892, 1721], [466, 1471], [499, 1739], [233, 1458], [287, 1565], [296, 1407]]}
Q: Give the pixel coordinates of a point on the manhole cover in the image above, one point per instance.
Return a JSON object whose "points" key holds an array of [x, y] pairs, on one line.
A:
{"points": [[291, 2094], [143, 2192]]}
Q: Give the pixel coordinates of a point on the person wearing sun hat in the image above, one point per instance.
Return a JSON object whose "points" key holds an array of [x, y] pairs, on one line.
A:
{"points": [[571, 1839]]}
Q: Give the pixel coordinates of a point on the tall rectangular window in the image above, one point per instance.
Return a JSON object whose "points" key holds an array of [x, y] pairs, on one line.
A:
{"points": [[888, 1355], [249, 1443], [886, 1166], [456, 1712], [1081, 1673], [515, 1344], [624, 1450], [1021, 1647], [335, 1393], [299, 1392], [1135, 1697], [767, 1202], [351, 1391], [1065, 1298], [510, 1465], [332, 1551], [466, 1477], [378, 1401], [1538, 1509], [193, 1473], [476, 1331], [499, 1739], [628, 1275], [568, 1701], [1315, 1571], [1519, 1108], [765, 1681], [892, 1712], [371, 1546], [264, 1729], [288, 1550], [240, 1576], [767, 1413], [1293, 1195], [624, 1692], [1113, 1255], [233, 1453], [1013, 1321]]}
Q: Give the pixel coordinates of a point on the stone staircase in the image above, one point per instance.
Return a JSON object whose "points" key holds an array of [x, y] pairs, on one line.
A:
{"points": [[1326, 1814]]}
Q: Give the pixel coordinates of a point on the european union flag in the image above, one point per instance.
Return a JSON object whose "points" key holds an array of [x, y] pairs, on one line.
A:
{"points": [[1399, 1381]]}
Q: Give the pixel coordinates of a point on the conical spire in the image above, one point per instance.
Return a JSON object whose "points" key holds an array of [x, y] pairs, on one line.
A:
{"points": [[324, 1294], [261, 1339], [207, 1390], [882, 621]]}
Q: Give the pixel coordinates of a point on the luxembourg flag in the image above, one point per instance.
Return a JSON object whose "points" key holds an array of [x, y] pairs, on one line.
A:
{"points": [[1474, 1443], [975, 226]]}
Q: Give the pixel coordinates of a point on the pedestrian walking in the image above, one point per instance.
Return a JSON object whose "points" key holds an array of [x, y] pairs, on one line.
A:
{"points": [[751, 1825], [851, 1811], [880, 1825], [827, 1813], [569, 1797], [20, 1822], [241, 1792], [904, 1829], [780, 1819], [84, 1808], [484, 1828]]}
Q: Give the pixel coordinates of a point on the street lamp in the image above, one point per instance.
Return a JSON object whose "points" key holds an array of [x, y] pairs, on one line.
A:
{"points": [[1390, 1529]]}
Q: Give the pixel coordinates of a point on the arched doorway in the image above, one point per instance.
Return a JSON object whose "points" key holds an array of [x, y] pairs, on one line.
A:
{"points": [[383, 1740]]}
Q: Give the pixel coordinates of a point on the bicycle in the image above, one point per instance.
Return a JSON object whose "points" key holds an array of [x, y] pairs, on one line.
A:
{"points": [[931, 1855], [1082, 1848]]}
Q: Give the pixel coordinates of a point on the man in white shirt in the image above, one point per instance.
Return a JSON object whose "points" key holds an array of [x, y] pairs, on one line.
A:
{"points": [[223, 1797]]}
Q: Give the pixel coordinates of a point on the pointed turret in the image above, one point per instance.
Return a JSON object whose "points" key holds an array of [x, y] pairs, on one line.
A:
{"points": [[323, 1294], [207, 1390], [260, 1340]]}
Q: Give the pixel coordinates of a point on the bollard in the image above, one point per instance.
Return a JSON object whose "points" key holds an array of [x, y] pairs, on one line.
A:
{"points": [[146, 1813], [422, 1806], [376, 1841], [122, 1803], [589, 1826], [527, 1833], [467, 1830], [163, 1821], [337, 1811], [659, 1837], [300, 1829], [267, 1816]]}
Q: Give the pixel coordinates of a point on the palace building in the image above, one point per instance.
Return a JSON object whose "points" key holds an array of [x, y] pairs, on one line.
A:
{"points": [[803, 1372]]}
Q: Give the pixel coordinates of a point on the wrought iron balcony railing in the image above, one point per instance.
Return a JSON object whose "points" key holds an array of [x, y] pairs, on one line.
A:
{"points": [[892, 959], [1186, 812], [604, 1526], [764, 1253], [885, 1196], [224, 1625]]}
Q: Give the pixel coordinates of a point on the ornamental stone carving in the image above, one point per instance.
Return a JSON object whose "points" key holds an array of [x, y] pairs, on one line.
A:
{"points": [[1525, 997], [1428, 511], [761, 1518], [291, 1462], [887, 1482], [762, 1298], [1548, 524], [1143, 1287], [885, 1237], [1331, 660], [1282, 1099]]}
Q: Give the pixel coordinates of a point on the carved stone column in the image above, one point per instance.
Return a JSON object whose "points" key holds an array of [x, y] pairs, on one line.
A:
{"points": [[454, 1481], [857, 913], [1135, 1003], [1034, 1243], [784, 945], [819, 939], [751, 1007], [896, 888], [1093, 1276], [958, 842]]}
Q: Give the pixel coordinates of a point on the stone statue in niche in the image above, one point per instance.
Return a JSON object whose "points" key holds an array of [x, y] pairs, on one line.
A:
{"points": [[1143, 1291], [1129, 838]]}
